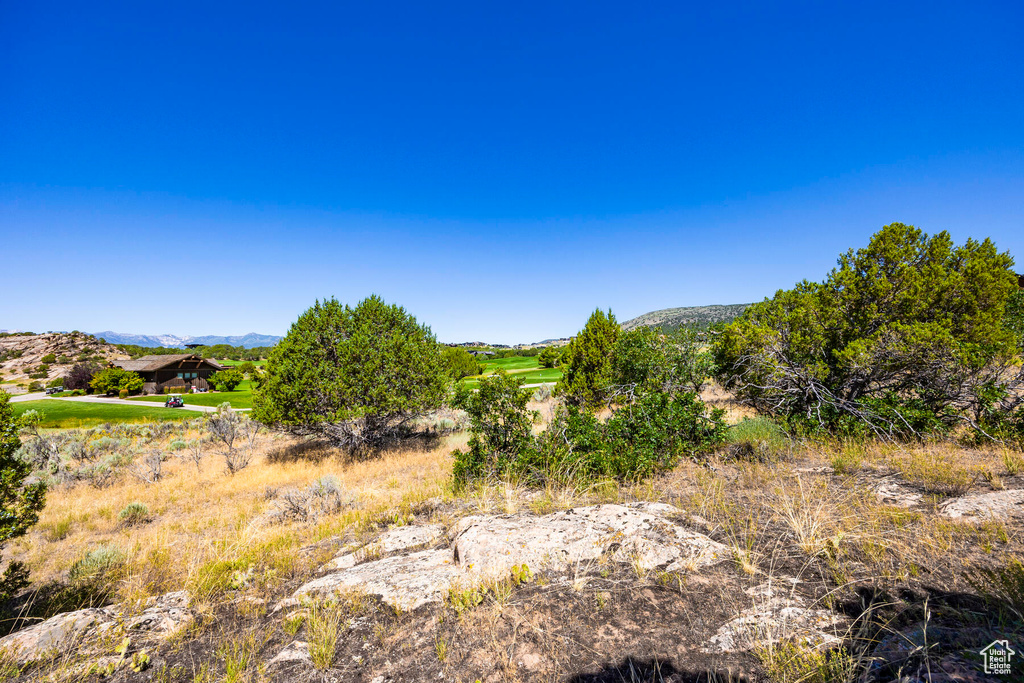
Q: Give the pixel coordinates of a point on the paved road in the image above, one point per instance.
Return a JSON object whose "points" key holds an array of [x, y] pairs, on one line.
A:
{"points": [[108, 399], [27, 397]]}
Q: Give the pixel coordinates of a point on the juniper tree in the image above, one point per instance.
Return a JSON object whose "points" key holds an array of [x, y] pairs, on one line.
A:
{"points": [[355, 376], [587, 361], [902, 335], [20, 501]]}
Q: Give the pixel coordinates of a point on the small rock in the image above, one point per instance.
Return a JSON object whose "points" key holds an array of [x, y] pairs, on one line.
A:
{"points": [[894, 494], [296, 651]]}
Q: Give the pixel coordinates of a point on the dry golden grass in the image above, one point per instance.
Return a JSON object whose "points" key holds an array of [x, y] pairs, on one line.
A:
{"points": [[199, 518]]}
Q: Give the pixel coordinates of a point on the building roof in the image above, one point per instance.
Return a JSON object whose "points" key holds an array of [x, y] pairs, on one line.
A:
{"points": [[158, 362]]}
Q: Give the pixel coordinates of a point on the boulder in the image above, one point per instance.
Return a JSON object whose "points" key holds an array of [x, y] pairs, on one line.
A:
{"points": [[405, 581], [489, 546], [777, 616], [995, 505], [636, 533], [159, 618]]}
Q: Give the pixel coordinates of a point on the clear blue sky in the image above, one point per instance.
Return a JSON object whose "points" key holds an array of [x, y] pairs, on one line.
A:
{"points": [[500, 169]]}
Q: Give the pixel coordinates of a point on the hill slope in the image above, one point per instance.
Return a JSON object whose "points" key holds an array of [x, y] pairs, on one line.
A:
{"points": [[22, 355], [692, 316]]}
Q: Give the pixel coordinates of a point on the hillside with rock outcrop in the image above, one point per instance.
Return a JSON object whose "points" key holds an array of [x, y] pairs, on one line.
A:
{"points": [[41, 358], [699, 317], [859, 562]]}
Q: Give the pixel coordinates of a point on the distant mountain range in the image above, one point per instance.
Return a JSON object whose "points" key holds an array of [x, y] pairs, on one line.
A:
{"points": [[692, 316], [175, 342]]}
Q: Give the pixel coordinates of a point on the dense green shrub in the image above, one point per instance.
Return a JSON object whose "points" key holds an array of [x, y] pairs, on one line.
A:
{"points": [[227, 379], [20, 503], [550, 356], [646, 360], [901, 337], [48, 358], [587, 362], [355, 376], [115, 380], [460, 362], [500, 425], [640, 439]]}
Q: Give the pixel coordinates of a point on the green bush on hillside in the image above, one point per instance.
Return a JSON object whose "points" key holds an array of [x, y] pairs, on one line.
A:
{"points": [[20, 502], [500, 427], [643, 437], [901, 338], [550, 357], [354, 376]]}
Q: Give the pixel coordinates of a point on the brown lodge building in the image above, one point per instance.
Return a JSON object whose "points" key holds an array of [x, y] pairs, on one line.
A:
{"points": [[177, 372]]}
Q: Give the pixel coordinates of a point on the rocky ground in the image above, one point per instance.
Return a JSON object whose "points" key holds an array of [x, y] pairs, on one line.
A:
{"points": [[822, 563], [22, 356]]}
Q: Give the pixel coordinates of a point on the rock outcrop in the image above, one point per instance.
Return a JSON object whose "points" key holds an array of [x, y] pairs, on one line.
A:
{"points": [[995, 505], [484, 547], [159, 619], [775, 616]]}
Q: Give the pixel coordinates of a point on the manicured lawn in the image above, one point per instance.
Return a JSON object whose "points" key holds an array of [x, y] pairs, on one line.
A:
{"points": [[526, 368], [59, 414], [241, 397], [510, 364], [231, 363]]}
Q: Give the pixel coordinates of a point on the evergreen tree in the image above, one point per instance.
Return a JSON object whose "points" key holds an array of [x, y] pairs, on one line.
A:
{"points": [[20, 503], [587, 361], [356, 376]]}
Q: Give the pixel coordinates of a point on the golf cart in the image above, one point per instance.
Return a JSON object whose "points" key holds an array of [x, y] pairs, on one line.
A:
{"points": [[174, 401]]}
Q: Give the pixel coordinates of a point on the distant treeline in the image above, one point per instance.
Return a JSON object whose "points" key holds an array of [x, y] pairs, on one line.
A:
{"points": [[223, 351], [507, 353]]}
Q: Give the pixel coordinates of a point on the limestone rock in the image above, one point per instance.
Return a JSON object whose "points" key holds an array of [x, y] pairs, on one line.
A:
{"points": [[776, 617], [296, 651], [391, 541], [53, 635], [489, 546], [894, 494], [160, 618], [405, 581], [995, 505], [637, 532]]}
